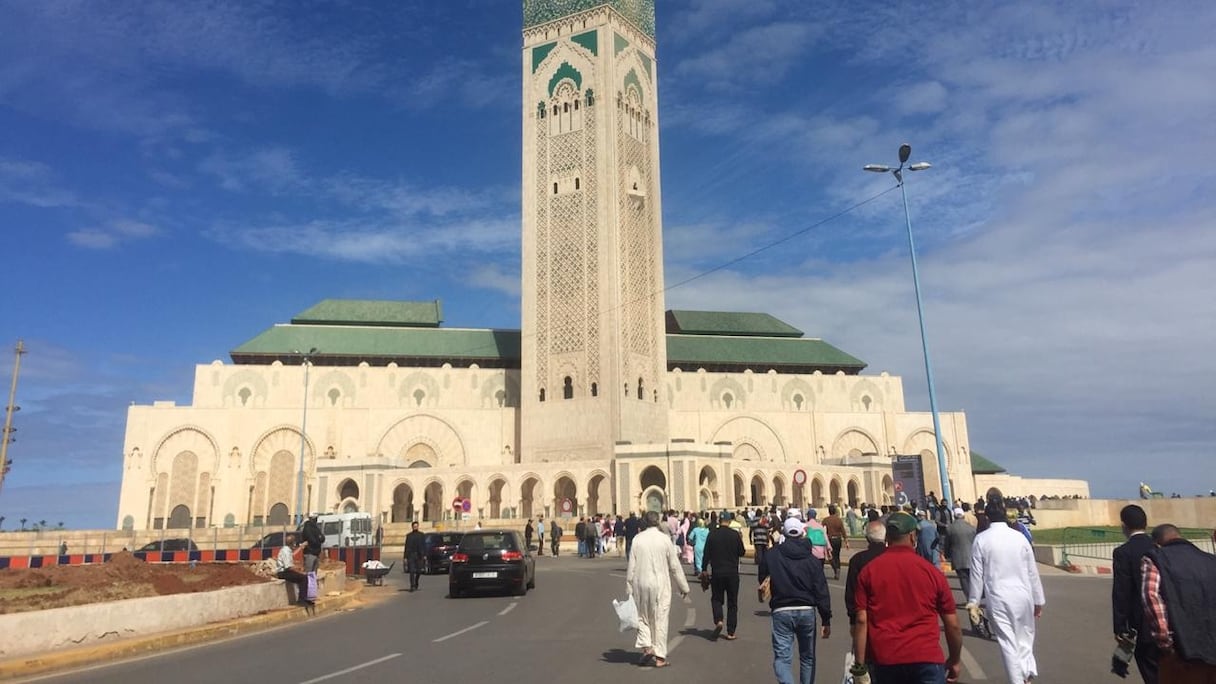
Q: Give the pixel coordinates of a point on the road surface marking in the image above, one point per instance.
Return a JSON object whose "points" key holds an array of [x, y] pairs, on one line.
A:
{"points": [[972, 665], [506, 610], [348, 670], [470, 628]]}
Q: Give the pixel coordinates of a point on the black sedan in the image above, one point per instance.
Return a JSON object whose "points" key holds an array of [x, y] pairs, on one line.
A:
{"points": [[492, 559], [439, 549]]}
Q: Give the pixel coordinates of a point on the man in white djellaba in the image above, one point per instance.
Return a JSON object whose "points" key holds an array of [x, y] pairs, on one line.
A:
{"points": [[653, 565], [1003, 570]]}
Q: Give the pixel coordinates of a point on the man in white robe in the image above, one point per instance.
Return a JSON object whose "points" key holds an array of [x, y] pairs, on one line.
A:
{"points": [[653, 565], [1003, 570]]}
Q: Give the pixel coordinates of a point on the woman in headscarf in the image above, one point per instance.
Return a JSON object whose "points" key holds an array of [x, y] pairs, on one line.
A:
{"points": [[686, 526], [697, 539]]}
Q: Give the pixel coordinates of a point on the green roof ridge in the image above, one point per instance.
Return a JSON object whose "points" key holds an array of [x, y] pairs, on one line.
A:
{"points": [[983, 466], [372, 312], [740, 323]]}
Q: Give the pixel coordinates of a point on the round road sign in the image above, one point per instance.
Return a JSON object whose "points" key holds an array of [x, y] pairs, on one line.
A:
{"points": [[800, 477], [567, 506], [466, 505], [458, 504]]}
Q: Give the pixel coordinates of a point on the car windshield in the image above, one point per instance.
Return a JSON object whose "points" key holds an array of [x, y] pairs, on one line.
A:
{"points": [[487, 541]]}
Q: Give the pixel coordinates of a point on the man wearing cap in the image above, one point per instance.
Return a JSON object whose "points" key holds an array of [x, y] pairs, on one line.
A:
{"points": [[313, 542], [899, 599], [958, 539], [799, 588], [1003, 570]]}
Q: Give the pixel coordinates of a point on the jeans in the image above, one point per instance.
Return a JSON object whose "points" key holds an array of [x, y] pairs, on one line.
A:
{"points": [[582, 548], [789, 625], [725, 586], [912, 673]]}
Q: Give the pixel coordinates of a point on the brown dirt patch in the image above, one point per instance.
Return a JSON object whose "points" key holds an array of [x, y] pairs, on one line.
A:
{"points": [[125, 576]]}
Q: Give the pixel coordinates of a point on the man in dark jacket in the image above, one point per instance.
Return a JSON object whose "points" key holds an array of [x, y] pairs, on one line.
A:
{"points": [[528, 530], [876, 535], [798, 587], [1178, 606], [313, 542], [632, 527], [555, 537], [415, 554], [723, 549], [1126, 606], [591, 536], [580, 536]]}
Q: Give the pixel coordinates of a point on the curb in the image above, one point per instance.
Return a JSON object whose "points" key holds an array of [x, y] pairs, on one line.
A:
{"points": [[126, 648]]}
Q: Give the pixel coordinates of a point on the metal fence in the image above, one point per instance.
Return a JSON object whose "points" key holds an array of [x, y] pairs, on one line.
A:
{"points": [[1087, 543]]}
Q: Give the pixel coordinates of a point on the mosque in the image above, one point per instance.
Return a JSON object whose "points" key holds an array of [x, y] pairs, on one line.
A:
{"points": [[603, 401]]}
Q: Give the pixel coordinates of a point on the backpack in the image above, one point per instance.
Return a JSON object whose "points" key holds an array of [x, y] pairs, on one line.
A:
{"points": [[817, 536]]}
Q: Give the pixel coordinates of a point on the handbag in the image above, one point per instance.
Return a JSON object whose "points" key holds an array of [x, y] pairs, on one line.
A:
{"points": [[765, 591]]}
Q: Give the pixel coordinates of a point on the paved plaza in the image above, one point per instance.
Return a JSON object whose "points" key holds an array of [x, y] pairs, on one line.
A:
{"points": [[566, 631]]}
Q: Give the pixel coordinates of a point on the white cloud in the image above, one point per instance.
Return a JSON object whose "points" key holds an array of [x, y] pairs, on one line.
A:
{"points": [[271, 168], [751, 57], [32, 183], [112, 234]]}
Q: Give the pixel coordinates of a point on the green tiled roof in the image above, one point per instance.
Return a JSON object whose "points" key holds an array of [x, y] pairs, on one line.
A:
{"points": [[982, 466], [639, 12], [378, 345], [728, 323], [783, 354], [372, 312]]}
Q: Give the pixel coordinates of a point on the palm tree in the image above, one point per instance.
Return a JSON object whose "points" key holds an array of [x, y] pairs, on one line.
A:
{"points": [[42, 524], [60, 527], [23, 521], [1, 523]]}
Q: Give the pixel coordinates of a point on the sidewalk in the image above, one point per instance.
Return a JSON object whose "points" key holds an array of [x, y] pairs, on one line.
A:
{"points": [[127, 648]]}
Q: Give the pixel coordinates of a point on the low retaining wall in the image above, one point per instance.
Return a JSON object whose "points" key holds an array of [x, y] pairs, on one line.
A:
{"points": [[43, 631], [354, 557]]}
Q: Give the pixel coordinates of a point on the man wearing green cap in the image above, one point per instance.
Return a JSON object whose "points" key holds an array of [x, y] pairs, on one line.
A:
{"points": [[899, 599]]}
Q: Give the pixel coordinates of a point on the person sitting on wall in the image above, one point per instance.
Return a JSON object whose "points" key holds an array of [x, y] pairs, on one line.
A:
{"points": [[284, 570]]}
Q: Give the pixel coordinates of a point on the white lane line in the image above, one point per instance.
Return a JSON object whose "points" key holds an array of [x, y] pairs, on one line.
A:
{"points": [[470, 628], [972, 665], [508, 609], [348, 670], [616, 574]]}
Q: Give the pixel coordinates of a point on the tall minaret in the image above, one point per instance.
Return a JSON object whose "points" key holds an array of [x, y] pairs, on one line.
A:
{"points": [[594, 346]]}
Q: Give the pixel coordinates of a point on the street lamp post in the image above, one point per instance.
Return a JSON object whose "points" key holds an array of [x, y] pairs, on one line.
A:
{"points": [[303, 440], [905, 152]]}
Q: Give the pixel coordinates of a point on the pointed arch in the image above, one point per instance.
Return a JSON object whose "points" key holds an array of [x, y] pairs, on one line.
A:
{"points": [[426, 428], [752, 430], [853, 442]]}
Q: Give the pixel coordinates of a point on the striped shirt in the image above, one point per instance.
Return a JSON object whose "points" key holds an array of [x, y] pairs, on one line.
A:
{"points": [[1156, 621]]}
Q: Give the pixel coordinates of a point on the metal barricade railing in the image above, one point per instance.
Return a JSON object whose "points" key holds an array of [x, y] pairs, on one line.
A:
{"points": [[1097, 544]]}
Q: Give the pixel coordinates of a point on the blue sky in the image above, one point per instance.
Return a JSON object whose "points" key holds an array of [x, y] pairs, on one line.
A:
{"points": [[175, 177]]}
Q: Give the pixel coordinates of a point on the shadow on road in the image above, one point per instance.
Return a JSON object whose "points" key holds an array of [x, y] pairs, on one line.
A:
{"points": [[620, 656], [706, 634]]}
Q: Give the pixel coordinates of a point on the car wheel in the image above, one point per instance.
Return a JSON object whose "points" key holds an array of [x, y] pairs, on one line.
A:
{"points": [[532, 582], [453, 592]]}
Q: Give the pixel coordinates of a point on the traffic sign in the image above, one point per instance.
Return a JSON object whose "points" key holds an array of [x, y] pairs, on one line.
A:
{"points": [[800, 477], [567, 506], [466, 505], [458, 504]]}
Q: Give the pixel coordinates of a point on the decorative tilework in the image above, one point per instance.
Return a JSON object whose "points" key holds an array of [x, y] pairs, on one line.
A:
{"points": [[589, 40], [620, 43], [639, 12], [539, 53], [565, 71]]}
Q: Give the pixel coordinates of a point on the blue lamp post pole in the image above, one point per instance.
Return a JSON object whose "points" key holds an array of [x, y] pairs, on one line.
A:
{"points": [[303, 440], [905, 152]]}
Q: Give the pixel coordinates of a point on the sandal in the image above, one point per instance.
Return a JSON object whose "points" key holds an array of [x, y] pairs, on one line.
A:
{"points": [[662, 662]]}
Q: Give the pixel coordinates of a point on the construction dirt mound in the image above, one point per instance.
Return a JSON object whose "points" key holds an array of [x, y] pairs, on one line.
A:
{"points": [[123, 577]]}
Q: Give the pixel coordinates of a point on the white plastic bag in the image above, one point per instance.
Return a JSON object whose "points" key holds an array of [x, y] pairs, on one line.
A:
{"points": [[627, 613], [849, 677]]}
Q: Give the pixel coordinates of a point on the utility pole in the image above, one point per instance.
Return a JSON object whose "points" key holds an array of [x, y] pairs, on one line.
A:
{"points": [[9, 410]]}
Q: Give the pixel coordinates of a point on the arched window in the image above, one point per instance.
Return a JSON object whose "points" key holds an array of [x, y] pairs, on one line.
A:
{"points": [[567, 388], [866, 401], [244, 394], [419, 395], [798, 401], [501, 397], [595, 389], [334, 395], [728, 399], [576, 184], [656, 396], [641, 390], [542, 394]]}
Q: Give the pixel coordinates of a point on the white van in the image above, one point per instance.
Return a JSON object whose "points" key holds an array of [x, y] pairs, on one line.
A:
{"points": [[346, 529]]}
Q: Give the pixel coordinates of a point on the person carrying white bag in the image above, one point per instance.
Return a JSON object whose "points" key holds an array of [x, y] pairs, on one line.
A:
{"points": [[653, 565]]}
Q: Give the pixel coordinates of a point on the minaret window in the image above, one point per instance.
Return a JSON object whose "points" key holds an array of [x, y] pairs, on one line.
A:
{"points": [[567, 114], [595, 389], [641, 390], [576, 184], [567, 388], [542, 394]]}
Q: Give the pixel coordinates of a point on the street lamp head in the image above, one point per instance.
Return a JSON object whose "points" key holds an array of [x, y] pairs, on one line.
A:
{"points": [[876, 168], [905, 152], [920, 166]]}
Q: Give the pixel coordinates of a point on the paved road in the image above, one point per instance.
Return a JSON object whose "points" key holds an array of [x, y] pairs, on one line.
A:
{"points": [[565, 631]]}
